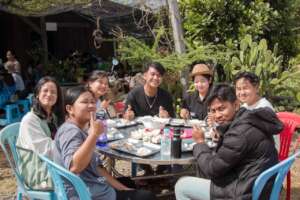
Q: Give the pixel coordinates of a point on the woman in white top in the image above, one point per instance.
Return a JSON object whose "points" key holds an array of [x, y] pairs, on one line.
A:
{"points": [[247, 91], [36, 134], [11, 57]]}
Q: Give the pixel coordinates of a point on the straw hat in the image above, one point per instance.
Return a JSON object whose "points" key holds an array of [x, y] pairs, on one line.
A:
{"points": [[201, 69]]}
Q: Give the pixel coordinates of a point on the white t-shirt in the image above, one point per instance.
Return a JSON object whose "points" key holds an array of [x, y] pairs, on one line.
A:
{"points": [[18, 81], [262, 103]]}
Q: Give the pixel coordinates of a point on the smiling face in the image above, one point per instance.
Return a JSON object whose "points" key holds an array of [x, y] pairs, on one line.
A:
{"points": [[47, 95], [201, 84], [99, 87], [152, 77], [246, 92], [223, 111], [82, 107]]}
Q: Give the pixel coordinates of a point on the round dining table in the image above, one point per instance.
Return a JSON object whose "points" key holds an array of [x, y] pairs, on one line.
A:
{"points": [[154, 159]]}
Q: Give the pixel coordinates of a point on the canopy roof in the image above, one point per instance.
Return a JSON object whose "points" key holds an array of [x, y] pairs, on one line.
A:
{"points": [[112, 13]]}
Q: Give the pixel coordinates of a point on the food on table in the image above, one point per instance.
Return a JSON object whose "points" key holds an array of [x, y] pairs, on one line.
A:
{"points": [[147, 135], [143, 151]]}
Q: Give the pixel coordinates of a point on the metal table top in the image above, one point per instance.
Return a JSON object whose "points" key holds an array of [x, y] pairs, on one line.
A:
{"points": [[156, 159]]}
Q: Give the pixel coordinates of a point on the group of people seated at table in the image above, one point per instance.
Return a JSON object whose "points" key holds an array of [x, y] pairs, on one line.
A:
{"points": [[246, 123]]}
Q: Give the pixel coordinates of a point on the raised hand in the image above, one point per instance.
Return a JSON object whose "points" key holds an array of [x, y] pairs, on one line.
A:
{"points": [[96, 126], [163, 113], [129, 114], [184, 113], [210, 119], [198, 134], [105, 103]]}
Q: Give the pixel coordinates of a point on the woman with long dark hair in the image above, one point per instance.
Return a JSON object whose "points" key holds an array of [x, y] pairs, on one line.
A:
{"points": [[37, 131]]}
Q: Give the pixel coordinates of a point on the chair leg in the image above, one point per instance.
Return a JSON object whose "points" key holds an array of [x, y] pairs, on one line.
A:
{"points": [[288, 186], [19, 196]]}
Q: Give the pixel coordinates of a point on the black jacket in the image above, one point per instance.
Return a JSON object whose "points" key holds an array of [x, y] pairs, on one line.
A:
{"points": [[246, 149]]}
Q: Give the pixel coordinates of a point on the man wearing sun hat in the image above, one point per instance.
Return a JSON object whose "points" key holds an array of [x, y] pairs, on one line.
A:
{"points": [[194, 103]]}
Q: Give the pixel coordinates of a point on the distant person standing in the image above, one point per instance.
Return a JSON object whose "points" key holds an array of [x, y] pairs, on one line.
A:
{"points": [[11, 59], [19, 83]]}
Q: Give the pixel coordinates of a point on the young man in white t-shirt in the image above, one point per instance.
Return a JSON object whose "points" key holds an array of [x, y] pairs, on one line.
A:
{"points": [[247, 91]]}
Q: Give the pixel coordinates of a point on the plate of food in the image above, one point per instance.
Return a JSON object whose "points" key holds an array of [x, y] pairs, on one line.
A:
{"points": [[135, 147], [187, 145], [123, 123], [147, 135], [114, 134], [153, 122], [189, 123]]}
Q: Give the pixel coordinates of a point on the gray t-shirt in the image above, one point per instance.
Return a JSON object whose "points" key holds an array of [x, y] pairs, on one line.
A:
{"points": [[68, 139]]}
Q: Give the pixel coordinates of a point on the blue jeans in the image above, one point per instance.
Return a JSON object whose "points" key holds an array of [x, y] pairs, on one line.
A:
{"points": [[192, 188]]}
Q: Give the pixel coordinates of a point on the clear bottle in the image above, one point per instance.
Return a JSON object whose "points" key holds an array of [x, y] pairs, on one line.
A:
{"points": [[102, 140], [166, 143]]}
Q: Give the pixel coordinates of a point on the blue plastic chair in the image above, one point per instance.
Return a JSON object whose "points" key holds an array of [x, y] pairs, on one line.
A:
{"points": [[58, 173], [12, 114], [24, 107], [8, 137], [280, 170]]}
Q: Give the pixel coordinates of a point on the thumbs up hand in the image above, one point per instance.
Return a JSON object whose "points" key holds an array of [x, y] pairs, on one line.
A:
{"points": [[163, 113], [129, 114]]}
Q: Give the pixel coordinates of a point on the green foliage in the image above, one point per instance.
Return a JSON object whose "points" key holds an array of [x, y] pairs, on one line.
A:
{"points": [[64, 71], [137, 52], [219, 20], [222, 21], [274, 78]]}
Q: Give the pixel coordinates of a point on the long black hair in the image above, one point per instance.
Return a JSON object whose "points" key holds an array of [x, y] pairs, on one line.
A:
{"points": [[56, 109]]}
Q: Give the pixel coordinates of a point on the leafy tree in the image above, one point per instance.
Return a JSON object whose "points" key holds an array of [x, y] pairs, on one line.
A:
{"points": [[266, 64], [223, 21]]}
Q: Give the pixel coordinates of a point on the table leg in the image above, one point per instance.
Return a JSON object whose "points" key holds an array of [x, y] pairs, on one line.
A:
{"points": [[133, 169]]}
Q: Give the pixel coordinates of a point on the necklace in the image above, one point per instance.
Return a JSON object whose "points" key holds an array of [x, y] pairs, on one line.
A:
{"points": [[148, 102]]}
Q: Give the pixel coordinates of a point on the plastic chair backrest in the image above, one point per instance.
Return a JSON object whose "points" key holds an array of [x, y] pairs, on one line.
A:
{"points": [[280, 170], [290, 121], [8, 136], [57, 172]]}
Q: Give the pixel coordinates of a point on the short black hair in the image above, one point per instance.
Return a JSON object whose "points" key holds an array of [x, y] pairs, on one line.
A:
{"points": [[251, 77], [222, 92], [157, 66], [73, 93]]}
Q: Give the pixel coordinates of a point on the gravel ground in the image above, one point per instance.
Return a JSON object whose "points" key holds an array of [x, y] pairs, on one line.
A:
{"points": [[8, 183]]}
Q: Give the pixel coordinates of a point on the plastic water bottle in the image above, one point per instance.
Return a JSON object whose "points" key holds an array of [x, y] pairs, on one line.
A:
{"points": [[166, 143], [102, 140]]}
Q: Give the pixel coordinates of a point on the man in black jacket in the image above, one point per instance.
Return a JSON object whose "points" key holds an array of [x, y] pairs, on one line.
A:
{"points": [[245, 149]]}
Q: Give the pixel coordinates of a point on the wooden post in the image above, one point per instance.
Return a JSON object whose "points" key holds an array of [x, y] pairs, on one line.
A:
{"points": [[176, 26], [44, 39], [178, 38]]}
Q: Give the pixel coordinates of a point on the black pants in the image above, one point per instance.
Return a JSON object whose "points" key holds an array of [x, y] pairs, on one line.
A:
{"points": [[133, 194]]}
